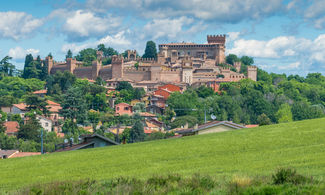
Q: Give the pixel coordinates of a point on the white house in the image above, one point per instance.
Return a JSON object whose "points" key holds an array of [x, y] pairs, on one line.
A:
{"points": [[45, 123]]}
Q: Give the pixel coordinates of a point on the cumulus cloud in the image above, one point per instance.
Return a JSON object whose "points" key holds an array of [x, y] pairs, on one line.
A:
{"points": [[117, 41], [19, 53], [17, 25], [169, 28], [217, 10], [295, 53], [80, 25]]}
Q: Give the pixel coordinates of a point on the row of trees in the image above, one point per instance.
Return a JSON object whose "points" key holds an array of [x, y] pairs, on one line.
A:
{"points": [[274, 98]]}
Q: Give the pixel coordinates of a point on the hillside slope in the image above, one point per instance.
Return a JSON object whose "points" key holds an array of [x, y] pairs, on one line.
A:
{"points": [[256, 151]]}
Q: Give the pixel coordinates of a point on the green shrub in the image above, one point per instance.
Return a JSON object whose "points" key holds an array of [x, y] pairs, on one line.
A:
{"points": [[288, 175]]}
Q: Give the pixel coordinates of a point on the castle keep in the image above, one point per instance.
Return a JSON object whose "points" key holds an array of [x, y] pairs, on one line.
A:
{"points": [[184, 63]]}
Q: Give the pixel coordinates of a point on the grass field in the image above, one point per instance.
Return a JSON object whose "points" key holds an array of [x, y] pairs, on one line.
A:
{"points": [[248, 152]]}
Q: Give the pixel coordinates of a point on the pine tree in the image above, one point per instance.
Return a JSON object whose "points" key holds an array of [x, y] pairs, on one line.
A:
{"points": [[69, 54], [137, 132], [27, 67], [150, 51]]}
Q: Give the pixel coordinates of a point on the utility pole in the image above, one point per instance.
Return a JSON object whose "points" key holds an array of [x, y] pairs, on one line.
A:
{"points": [[42, 151]]}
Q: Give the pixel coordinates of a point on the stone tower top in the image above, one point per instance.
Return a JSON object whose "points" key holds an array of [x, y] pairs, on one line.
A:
{"points": [[220, 39]]}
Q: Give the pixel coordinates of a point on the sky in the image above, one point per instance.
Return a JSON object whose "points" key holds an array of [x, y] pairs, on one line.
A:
{"points": [[283, 36]]}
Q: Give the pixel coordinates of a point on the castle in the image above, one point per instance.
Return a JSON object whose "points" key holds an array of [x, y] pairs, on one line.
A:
{"points": [[183, 63]]}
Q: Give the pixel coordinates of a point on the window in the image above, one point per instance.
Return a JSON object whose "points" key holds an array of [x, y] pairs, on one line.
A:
{"points": [[117, 108], [126, 108]]}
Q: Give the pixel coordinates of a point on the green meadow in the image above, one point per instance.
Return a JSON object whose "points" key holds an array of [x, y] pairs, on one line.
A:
{"points": [[246, 153]]}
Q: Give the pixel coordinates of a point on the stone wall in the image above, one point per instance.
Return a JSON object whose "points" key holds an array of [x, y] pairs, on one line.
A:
{"points": [[83, 72], [136, 75]]}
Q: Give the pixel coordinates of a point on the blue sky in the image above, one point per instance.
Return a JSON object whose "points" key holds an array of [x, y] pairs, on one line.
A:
{"points": [[283, 36]]}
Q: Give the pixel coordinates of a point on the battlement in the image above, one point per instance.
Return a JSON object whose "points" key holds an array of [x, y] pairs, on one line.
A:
{"points": [[117, 59], [133, 69], [150, 60], [170, 71], [225, 69], [251, 68], [221, 39]]}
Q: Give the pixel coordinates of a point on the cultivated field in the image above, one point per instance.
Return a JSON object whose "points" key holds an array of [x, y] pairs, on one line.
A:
{"points": [[248, 152]]}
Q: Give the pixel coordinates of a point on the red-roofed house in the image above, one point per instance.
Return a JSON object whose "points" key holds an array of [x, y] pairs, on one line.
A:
{"points": [[163, 92], [19, 109], [11, 127], [170, 87], [41, 93], [123, 108]]}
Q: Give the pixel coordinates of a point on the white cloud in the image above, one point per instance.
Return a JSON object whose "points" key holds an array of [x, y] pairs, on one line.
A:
{"points": [[17, 25], [217, 10], [18, 53], [80, 24], [233, 36], [170, 28], [295, 53], [117, 41]]}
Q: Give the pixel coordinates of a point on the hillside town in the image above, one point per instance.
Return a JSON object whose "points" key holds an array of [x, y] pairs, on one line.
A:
{"points": [[177, 67], [102, 98]]}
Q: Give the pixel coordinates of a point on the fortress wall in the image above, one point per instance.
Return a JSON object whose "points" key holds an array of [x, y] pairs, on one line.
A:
{"points": [[105, 73], [59, 68], [83, 72], [136, 75], [170, 76]]}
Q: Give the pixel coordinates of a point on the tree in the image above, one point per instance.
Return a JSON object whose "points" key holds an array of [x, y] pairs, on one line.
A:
{"points": [[99, 81], [37, 103], [28, 69], [74, 106], [125, 136], [263, 119], [30, 130], [232, 58], [107, 51], [247, 60], [137, 132], [150, 51], [183, 120], [87, 56], [124, 85], [69, 54], [139, 107], [93, 117], [6, 68], [204, 91], [2, 127], [284, 114]]}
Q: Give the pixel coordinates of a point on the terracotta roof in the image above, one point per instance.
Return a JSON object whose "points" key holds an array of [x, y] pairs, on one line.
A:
{"points": [[23, 154], [43, 91], [124, 104], [148, 131], [52, 103], [151, 125], [11, 127], [251, 126], [21, 106]]}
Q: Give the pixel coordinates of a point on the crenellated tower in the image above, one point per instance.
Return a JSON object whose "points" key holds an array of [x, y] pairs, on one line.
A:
{"points": [[117, 67]]}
